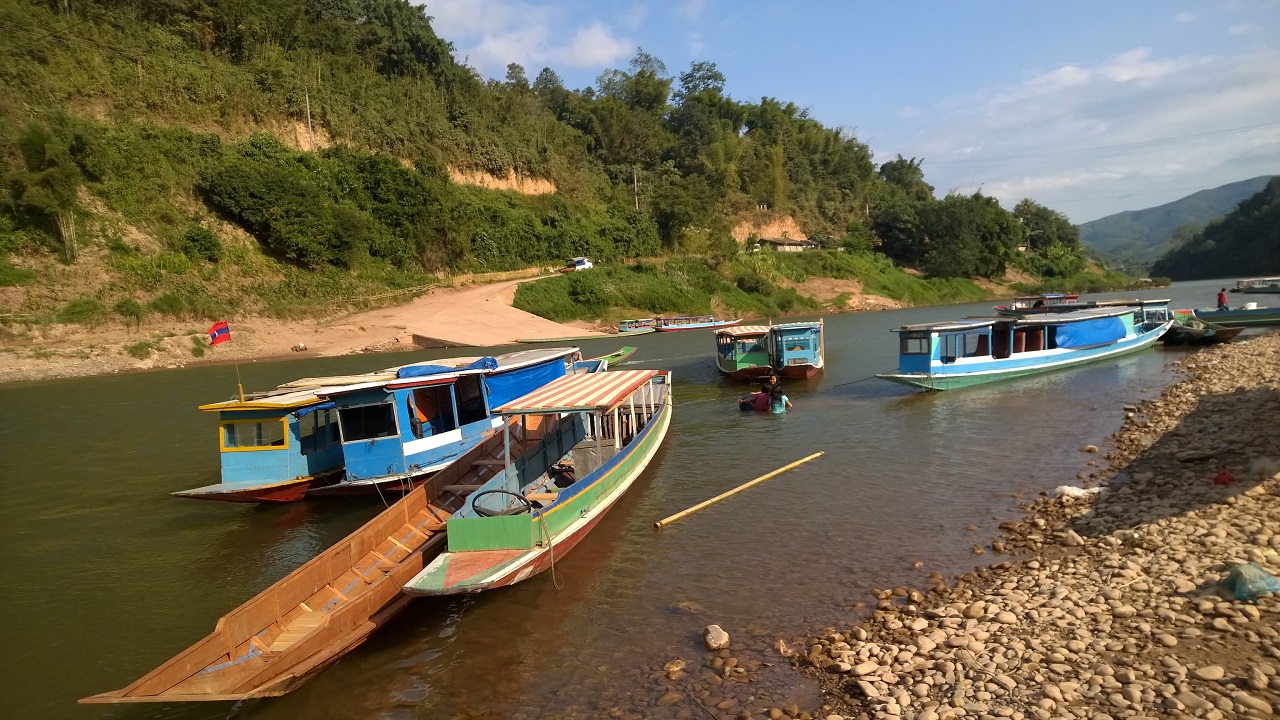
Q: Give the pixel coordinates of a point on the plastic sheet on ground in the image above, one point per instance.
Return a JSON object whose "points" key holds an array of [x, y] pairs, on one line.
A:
{"points": [[1250, 582]]}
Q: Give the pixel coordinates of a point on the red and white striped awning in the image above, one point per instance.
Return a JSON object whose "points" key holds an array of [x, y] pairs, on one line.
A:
{"points": [[742, 330], [575, 393]]}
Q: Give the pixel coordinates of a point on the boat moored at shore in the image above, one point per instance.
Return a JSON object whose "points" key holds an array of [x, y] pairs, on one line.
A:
{"points": [[1248, 315], [591, 436], [956, 354], [793, 350], [692, 322]]}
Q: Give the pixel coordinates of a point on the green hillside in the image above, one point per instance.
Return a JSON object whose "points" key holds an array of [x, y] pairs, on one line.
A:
{"points": [[1137, 237], [1244, 243], [200, 158]]}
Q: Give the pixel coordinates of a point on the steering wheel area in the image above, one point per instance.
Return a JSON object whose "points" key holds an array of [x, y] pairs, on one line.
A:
{"points": [[524, 505]]}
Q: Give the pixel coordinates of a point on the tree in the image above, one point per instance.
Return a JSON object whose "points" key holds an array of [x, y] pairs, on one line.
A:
{"points": [[516, 78], [46, 188], [908, 175]]}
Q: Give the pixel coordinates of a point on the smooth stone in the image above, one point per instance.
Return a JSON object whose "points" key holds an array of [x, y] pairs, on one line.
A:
{"points": [[1209, 672], [715, 637]]}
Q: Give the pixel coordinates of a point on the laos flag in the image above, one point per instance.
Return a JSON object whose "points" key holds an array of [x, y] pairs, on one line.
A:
{"points": [[219, 333]]}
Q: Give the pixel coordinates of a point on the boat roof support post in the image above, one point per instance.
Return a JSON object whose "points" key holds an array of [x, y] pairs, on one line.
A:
{"points": [[617, 431], [506, 440], [599, 423]]}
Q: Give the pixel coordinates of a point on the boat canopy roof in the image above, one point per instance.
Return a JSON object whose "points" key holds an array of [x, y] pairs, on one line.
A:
{"points": [[977, 323], [416, 373], [744, 331], [283, 400], [1048, 296], [807, 325], [578, 393]]}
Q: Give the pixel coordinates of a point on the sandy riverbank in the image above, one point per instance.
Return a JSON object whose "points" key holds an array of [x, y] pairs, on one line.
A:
{"points": [[477, 315], [1115, 605]]}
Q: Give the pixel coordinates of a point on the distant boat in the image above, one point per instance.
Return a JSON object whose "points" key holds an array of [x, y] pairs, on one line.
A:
{"points": [[692, 322], [567, 338], [608, 426], [793, 350], [1248, 315], [742, 352], [637, 327], [1057, 303], [956, 354], [288, 633], [617, 356], [1269, 285]]}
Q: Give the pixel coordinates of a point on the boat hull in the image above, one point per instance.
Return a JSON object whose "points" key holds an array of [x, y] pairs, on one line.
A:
{"points": [[641, 331], [959, 380], [755, 372], [287, 491], [477, 571], [799, 372], [1247, 318], [698, 326]]}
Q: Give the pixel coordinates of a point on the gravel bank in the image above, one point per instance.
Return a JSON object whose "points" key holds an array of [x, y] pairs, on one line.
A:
{"points": [[1112, 604]]}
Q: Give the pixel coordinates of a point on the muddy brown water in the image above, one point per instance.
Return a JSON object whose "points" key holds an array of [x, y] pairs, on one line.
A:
{"points": [[106, 575]]}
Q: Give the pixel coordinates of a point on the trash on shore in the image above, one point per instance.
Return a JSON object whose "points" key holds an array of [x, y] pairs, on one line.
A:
{"points": [[1071, 491], [1250, 582]]}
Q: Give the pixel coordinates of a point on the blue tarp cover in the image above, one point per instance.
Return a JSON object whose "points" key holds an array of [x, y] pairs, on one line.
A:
{"points": [[413, 371], [505, 387], [303, 412], [1090, 332]]}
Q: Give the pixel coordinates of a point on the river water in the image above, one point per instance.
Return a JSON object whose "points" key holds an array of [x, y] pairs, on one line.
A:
{"points": [[106, 575]]}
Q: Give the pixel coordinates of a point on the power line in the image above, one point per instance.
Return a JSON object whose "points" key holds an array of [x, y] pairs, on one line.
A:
{"points": [[1106, 148]]}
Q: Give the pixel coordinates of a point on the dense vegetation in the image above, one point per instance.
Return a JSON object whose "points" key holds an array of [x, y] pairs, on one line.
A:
{"points": [[181, 119], [1246, 242], [1137, 237]]}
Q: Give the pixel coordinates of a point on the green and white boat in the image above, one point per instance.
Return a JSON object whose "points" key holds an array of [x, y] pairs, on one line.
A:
{"points": [[582, 441]]}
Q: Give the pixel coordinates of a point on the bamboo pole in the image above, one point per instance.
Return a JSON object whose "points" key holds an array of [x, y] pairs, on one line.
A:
{"points": [[685, 513]]}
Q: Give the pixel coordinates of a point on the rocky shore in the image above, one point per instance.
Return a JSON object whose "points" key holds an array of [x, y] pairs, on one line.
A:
{"points": [[1112, 603]]}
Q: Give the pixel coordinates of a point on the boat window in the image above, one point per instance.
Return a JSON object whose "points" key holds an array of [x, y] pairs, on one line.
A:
{"points": [[316, 431], [366, 422], [242, 435], [949, 347], [435, 407], [916, 344], [749, 346], [976, 344], [471, 407]]}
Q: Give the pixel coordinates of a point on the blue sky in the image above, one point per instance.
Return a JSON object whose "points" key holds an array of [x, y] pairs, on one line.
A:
{"points": [[1087, 107]]}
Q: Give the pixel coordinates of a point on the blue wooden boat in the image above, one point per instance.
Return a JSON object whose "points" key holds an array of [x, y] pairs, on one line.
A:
{"points": [[395, 434], [584, 442], [280, 445], [692, 322], [276, 445], [797, 349], [637, 327], [956, 354]]}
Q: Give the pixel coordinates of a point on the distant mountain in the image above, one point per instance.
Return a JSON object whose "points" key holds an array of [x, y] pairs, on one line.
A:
{"points": [[1141, 236], [1245, 242]]}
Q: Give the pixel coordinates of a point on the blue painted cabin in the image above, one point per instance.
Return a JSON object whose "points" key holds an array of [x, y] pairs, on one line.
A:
{"points": [[395, 434], [796, 349]]}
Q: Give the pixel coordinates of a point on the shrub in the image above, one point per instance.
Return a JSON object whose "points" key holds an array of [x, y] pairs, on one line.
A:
{"points": [[131, 310], [189, 304], [141, 349], [84, 311], [10, 275], [197, 345], [199, 243]]}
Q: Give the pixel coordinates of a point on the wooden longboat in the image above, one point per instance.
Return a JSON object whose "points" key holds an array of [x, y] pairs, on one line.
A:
{"points": [[742, 352], [962, 353], [692, 322], [1242, 316], [616, 356], [798, 349], [291, 631], [609, 426]]}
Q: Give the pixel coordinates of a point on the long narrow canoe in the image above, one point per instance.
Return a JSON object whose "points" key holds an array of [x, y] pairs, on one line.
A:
{"points": [[291, 631], [574, 338], [1250, 317], [617, 356]]}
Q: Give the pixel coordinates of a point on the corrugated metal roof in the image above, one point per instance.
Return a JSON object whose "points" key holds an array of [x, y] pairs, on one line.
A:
{"points": [[595, 391], [744, 330]]}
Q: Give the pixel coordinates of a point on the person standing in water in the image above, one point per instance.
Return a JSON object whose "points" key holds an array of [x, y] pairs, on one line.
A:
{"points": [[778, 402]]}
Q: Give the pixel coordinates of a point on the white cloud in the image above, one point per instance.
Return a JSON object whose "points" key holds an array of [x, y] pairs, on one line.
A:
{"points": [[1242, 29], [696, 44], [1184, 17], [1094, 138], [908, 112], [633, 16], [489, 34], [691, 9]]}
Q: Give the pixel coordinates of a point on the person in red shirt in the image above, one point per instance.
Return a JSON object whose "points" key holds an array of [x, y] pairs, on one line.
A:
{"points": [[1222, 299]]}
